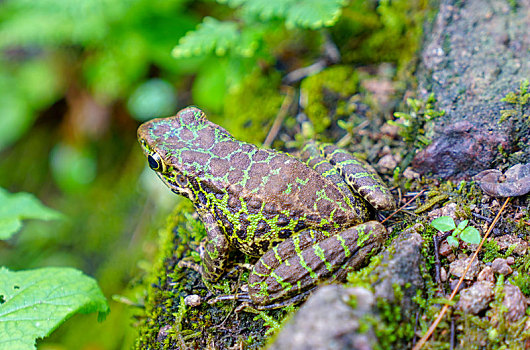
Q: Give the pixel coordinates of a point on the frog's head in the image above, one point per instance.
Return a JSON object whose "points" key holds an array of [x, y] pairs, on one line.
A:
{"points": [[166, 141]]}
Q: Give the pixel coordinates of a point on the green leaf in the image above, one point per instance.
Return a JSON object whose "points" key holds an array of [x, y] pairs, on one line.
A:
{"points": [[453, 241], [462, 225], [443, 223], [210, 36], [35, 302], [19, 206], [470, 235]]}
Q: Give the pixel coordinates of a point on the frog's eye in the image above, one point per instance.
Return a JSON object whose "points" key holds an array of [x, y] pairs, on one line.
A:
{"points": [[156, 163], [182, 180]]}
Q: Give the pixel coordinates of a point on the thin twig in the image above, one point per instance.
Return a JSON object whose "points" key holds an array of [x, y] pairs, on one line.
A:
{"points": [[279, 117], [416, 327], [438, 263], [431, 329], [403, 206], [524, 222], [485, 218], [453, 334]]}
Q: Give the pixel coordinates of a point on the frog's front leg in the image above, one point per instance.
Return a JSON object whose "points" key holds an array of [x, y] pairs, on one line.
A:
{"points": [[214, 256], [298, 264]]}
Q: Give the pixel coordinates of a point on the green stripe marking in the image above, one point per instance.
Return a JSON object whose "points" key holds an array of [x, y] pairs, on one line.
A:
{"points": [[347, 252], [317, 249]]}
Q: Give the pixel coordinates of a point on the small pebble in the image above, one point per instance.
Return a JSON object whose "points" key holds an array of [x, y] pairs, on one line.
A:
{"points": [[192, 300], [457, 268], [500, 266], [515, 302], [410, 174], [446, 210], [445, 249], [476, 298], [443, 274], [486, 275], [388, 161], [163, 333], [510, 260]]}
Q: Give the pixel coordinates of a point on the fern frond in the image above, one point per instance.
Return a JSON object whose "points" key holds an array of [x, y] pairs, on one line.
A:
{"points": [[210, 36], [314, 14], [52, 22], [311, 14]]}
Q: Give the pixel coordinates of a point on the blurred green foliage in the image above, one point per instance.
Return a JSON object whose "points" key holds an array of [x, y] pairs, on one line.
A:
{"points": [[106, 47], [19, 206]]}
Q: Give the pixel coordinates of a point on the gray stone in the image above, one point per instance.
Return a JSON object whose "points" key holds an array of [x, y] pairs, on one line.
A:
{"points": [[501, 266], [326, 321], [515, 302], [476, 298], [458, 267], [400, 268]]}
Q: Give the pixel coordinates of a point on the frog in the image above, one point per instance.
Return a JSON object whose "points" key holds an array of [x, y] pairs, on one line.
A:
{"points": [[307, 219]]}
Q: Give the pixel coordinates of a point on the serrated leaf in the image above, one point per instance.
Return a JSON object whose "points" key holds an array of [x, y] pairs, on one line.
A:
{"points": [[470, 235], [35, 302], [19, 206], [210, 36], [443, 223], [453, 241]]}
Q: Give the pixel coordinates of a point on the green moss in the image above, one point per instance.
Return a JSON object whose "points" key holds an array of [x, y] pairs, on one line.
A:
{"points": [[251, 108], [168, 323], [324, 91], [494, 331], [522, 278], [383, 31]]}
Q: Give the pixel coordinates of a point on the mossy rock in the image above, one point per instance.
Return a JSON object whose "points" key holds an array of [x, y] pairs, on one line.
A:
{"points": [[250, 109], [327, 94]]}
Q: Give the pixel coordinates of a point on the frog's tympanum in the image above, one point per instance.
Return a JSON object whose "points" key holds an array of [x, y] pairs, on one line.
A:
{"points": [[307, 220]]}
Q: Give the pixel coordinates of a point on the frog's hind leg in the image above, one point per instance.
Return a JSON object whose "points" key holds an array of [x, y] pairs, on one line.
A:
{"points": [[299, 263], [360, 176]]}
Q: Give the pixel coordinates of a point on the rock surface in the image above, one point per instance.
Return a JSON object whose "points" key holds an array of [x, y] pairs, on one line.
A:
{"points": [[401, 268], [476, 53], [476, 298], [326, 321], [458, 267], [515, 302]]}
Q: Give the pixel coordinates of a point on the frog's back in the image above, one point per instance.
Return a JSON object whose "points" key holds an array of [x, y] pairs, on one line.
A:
{"points": [[280, 196]]}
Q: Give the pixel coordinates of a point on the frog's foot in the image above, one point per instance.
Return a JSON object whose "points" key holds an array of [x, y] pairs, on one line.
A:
{"points": [[248, 305]]}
